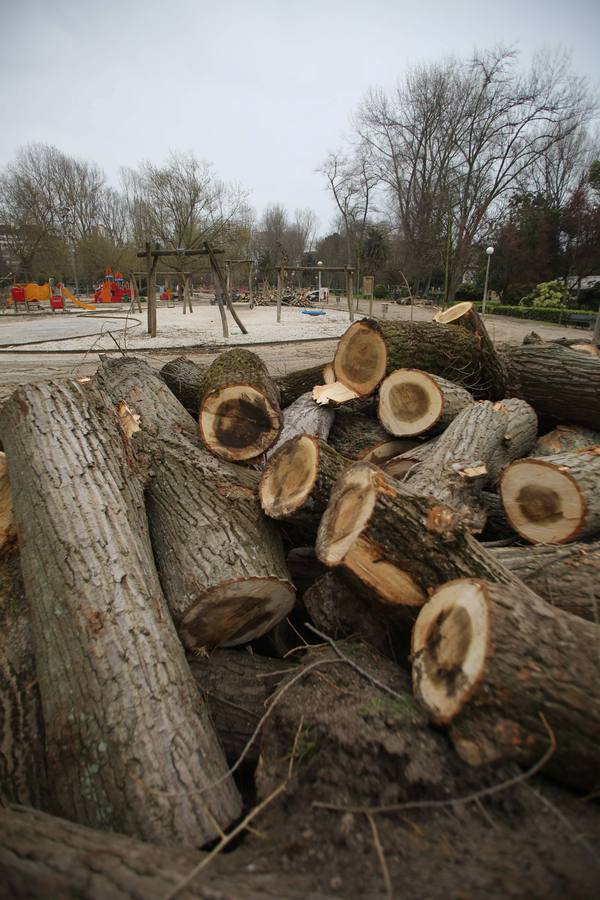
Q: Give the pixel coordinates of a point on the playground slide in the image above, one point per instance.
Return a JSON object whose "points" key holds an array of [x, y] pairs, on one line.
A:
{"points": [[69, 296]]}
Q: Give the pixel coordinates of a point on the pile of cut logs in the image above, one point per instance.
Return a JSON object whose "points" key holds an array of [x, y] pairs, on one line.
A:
{"points": [[420, 482]]}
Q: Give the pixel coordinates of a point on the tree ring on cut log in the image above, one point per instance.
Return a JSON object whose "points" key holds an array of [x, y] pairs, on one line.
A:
{"points": [[361, 358], [289, 476], [236, 612], [238, 422], [450, 644], [542, 502], [341, 540], [410, 402], [455, 312]]}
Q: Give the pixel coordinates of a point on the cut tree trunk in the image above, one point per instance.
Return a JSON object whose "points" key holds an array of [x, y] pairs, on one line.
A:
{"points": [[497, 527], [22, 756], [128, 743], [43, 857], [521, 433], [294, 384], [554, 499], [369, 350], [182, 377], [562, 385], [221, 562], [239, 415], [399, 545], [304, 416], [412, 402], [492, 663], [466, 316], [564, 438], [297, 482], [8, 533], [405, 463], [567, 576], [237, 686], [460, 464], [358, 436]]}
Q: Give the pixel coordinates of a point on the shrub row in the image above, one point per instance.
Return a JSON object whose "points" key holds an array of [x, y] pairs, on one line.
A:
{"points": [[538, 313]]}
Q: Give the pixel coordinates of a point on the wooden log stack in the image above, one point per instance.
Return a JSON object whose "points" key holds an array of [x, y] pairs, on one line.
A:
{"points": [[421, 495]]}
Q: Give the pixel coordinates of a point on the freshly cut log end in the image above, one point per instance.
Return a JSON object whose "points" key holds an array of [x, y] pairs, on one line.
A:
{"points": [[333, 393], [328, 373], [444, 317], [450, 645], [543, 502], [361, 358], [236, 612], [238, 422], [341, 540], [289, 477], [410, 402]]}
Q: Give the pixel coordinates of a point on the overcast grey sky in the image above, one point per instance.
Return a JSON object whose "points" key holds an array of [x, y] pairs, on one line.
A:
{"points": [[261, 89]]}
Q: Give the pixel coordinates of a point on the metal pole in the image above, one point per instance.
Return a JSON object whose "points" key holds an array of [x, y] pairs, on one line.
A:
{"points": [[487, 275]]}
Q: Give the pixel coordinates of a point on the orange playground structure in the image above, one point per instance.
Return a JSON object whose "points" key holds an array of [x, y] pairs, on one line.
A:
{"points": [[40, 293], [113, 289]]}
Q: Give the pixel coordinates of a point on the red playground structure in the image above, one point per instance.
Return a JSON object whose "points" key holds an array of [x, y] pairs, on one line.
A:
{"points": [[114, 288]]}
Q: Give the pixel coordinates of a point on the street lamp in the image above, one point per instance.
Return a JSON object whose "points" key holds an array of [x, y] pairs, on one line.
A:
{"points": [[319, 263], [489, 251]]}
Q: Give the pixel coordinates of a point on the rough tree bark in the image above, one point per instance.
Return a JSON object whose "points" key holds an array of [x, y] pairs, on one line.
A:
{"points": [[565, 575], [359, 436], [304, 416], [183, 377], [221, 562], [22, 756], [369, 350], [565, 438], [412, 402], [489, 660], [562, 385], [239, 414], [466, 316], [128, 742], [554, 499]]}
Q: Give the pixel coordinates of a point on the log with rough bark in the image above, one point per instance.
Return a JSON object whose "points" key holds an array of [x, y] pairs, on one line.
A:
{"points": [[182, 377], [239, 417], [561, 384], [497, 527], [44, 857], [463, 461], [405, 463], [221, 562], [8, 534], [297, 482], [304, 416], [399, 545], [565, 575], [293, 384], [22, 757], [564, 438], [128, 741], [370, 350], [492, 662], [412, 402], [554, 499], [466, 316], [237, 686], [359, 436]]}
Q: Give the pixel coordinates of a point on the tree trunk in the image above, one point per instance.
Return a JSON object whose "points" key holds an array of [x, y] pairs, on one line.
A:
{"points": [[128, 743], [369, 350], [294, 384], [520, 436], [237, 686], [463, 461], [22, 758], [297, 482], [358, 436], [567, 576], [221, 562], [562, 385], [43, 857], [407, 463], [183, 377], [412, 402], [304, 416], [239, 415], [466, 316], [398, 544], [491, 662], [554, 499], [565, 438], [497, 527]]}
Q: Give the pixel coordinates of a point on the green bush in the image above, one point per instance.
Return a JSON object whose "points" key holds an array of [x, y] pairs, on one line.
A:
{"points": [[380, 292], [467, 292], [540, 313], [548, 294]]}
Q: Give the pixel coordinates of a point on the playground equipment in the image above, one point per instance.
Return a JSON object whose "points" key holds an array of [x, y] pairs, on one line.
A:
{"points": [[114, 288], [40, 293]]}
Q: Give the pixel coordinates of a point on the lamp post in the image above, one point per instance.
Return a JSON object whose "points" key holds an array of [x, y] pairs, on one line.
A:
{"points": [[489, 251], [319, 263]]}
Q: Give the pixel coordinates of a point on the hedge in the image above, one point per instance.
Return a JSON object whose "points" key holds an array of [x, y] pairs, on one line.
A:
{"points": [[539, 313]]}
